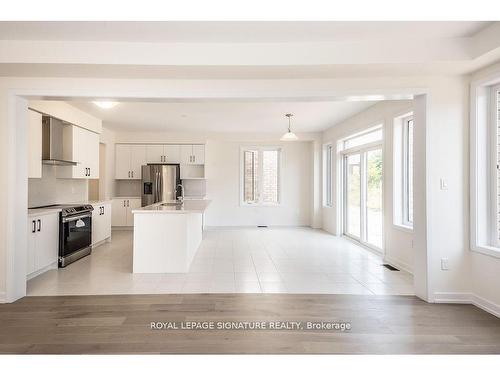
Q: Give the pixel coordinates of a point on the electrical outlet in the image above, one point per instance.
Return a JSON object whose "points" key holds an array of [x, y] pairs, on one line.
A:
{"points": [[445, 264]]}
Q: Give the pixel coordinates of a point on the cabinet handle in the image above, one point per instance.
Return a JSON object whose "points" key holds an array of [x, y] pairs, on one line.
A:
{"points": [[128, 203], [194, 158], [89, 172], [39, 225], [128, 174], [132, 174], [33, 228], [124, 203]]}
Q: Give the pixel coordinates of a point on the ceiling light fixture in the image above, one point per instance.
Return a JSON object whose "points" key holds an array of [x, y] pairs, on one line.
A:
{"points": [[289, 135], [105, 105]]}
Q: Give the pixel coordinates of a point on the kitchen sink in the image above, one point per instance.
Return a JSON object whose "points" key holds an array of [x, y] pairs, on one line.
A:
{"points": [[172, 204]]}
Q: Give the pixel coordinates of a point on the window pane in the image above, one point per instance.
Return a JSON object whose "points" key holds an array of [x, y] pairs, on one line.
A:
{"points": [[270, 176], [498, 161], [328, 176], [410, 171], [362, 139], [251, 164], [374, 219], [353, 192]]}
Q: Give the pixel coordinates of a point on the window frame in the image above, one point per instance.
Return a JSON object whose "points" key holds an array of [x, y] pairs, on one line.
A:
{"points": [[328, 158], [260, 150], [483, 189], [405, 196]]}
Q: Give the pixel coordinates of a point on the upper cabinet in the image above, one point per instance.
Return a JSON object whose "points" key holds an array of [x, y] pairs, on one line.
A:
{"points": [[193, 154], [34, 144], [81, 146], [129, 160], [131, 157], [163, 154]]}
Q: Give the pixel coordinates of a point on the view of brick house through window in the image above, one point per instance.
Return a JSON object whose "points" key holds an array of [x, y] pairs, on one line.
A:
{"points": [[261, 176]]}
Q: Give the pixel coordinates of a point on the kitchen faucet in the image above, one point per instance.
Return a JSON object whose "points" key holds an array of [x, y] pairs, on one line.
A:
{"points": [[181, 198]]}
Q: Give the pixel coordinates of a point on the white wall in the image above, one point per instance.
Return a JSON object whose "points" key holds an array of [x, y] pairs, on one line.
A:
{"points": [[223, 186], [397, 243], [222, 163], [51, 190]]}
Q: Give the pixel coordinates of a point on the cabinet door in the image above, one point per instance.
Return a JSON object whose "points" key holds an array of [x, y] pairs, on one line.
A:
{"points": [[92, 154], [119, 213], [137, 160], [96, 224], [186, 154], [106, 221], [30, 256], [34, 144], [122, 162], [132, 204], [172, 153], [80, 149], [199, 154], [47, 241], [154, 153]]}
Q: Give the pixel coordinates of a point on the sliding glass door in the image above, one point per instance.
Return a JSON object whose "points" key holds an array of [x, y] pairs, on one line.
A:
{"points": [[363, 219]]}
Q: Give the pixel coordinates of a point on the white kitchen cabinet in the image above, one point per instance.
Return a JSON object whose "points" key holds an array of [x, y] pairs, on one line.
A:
{"points": [[129, 160], [122, 211], [192, 154], [172, 154], [34, 144], [163, 153], [43, 243], [82, 146], [101, 222]]}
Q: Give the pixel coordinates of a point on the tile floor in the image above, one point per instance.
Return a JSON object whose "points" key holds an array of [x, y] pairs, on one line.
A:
{"points": [[288, 260]]}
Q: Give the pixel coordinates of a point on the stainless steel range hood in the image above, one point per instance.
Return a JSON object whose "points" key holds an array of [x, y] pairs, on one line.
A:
{"points": [[53, 141]]}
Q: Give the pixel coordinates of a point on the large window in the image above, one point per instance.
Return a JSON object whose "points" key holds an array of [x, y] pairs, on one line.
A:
{"points": [[363, 187], [328, 178], [485, 162], [403, 171], [260, 175], [408, 171]]}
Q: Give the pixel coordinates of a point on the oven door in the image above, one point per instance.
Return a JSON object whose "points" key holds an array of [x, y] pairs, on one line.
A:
{"points": [[75, 234]]}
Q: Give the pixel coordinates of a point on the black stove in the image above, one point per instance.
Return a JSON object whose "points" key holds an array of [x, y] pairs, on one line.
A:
{"points": [[75, 231]]}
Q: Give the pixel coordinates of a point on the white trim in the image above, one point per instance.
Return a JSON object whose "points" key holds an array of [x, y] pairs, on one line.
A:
{"points": [[2, 297], [403, 228], [52, 266], [483, 188], [468, 298]]}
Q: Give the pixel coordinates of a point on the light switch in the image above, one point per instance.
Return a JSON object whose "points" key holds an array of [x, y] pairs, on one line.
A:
{"points": [[444, 264], [444, 184]]}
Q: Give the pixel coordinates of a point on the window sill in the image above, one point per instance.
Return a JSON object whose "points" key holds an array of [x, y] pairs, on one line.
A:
{"points": [[487, 250], [260, 205], [403, 228]]}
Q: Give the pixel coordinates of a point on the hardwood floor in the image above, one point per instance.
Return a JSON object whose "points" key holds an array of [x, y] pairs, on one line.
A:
{"points": [[121, 324]]}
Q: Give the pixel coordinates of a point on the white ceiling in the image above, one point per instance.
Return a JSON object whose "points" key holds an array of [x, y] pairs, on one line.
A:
{"points": [[223, 116], [228, 32]]}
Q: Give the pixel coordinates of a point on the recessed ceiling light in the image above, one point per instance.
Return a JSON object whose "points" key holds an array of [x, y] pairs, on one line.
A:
{"points": [[105, 105]]}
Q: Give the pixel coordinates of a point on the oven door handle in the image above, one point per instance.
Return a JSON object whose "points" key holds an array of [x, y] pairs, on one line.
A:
{"points": [[74, 218]]}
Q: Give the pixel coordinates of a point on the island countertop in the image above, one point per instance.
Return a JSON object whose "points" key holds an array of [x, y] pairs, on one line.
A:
{"points": [[168, 207]]}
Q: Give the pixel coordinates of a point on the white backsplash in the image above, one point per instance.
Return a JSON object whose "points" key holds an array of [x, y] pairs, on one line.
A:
{"points": [[194, 188], [125, 188], [51, 190]]}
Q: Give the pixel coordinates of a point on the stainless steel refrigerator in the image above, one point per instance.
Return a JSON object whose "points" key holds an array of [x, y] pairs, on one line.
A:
{"points": [[159, 183]]}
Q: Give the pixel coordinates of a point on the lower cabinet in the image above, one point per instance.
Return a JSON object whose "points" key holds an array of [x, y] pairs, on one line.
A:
{"points": [[43, 243], [122, 211], [101, 222]]}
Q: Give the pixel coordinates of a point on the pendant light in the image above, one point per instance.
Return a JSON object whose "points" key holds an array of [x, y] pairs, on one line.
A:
{"points": [[289, 135]]}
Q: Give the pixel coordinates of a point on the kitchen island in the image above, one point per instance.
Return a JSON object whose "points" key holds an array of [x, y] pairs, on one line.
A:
{"points": [[167, 236]]}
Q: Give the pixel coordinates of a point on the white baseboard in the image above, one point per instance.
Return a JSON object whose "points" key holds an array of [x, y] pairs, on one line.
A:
{"points": [[399, 265], [468, 298]]}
